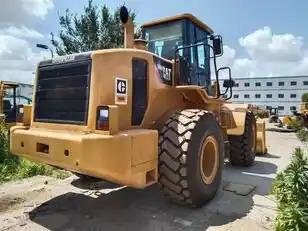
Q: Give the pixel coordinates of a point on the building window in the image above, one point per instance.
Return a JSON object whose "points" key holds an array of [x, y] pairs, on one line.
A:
{"points": [[246, 96], [269, 96], [293, 96], [280, 108], [235, 96], [293, 83], [236, 85], [305, 83], [280, 96], [269, 84], [257, 96], [281, 84], [258, 84], [293, 108], [268, 107], [246, 84]]}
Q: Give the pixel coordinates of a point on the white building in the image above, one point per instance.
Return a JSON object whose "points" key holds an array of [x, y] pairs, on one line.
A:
{"points": [[283, 92]]}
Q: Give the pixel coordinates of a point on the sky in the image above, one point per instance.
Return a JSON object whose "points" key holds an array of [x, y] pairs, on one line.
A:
{"points": [[261, 38]]}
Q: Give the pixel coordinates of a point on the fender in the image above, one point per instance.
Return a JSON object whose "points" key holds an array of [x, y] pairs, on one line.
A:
{"points": [[239, 115]]}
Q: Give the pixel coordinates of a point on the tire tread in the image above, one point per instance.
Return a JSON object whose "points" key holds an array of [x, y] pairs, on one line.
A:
{"points": [[240, 150], [175, 137]]}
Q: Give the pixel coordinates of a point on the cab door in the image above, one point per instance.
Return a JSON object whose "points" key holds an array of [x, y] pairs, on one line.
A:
{"points": [[194, 58]]}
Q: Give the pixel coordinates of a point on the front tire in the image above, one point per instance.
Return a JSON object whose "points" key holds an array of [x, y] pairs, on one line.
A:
{"points": [[190, 157], [243, 148]]}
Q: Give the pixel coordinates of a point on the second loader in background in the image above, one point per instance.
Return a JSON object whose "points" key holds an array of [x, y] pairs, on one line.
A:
{"points": [[10, 105]]}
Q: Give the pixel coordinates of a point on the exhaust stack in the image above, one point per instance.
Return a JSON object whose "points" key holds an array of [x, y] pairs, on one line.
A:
{"points": [[128, 28]]}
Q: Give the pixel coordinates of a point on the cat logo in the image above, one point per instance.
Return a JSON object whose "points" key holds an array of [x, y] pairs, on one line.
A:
{"points": [[121, 91], [121, 86], [164, 69]]}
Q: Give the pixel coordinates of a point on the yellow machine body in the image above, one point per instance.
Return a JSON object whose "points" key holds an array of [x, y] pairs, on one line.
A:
{"points": [[126, 154]]}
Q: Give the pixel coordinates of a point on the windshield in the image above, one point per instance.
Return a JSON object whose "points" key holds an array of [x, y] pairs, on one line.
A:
{"points": [[164, 39]]}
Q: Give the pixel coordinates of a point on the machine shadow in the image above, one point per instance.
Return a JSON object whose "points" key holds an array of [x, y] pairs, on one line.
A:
{"points": [[271, 156], [93, 184], [259, 167], [132, 209]]}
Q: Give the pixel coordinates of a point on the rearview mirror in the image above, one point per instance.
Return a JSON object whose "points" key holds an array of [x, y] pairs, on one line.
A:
{"points": [[227, 83], [217, 45]]}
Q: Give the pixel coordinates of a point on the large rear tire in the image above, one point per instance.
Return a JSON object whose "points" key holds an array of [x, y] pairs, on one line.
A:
{"points": [[190, 157], [243, 148]]}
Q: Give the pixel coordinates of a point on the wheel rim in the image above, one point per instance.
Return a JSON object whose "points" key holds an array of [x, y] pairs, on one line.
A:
{"points": [[253, 138], [209, 159]]}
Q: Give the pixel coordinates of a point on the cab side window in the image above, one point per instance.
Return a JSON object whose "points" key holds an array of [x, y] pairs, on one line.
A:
{"points": [[197, 56]]}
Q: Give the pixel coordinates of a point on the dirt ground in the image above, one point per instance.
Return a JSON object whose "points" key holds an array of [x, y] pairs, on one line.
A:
{"points": [[44, 203]]}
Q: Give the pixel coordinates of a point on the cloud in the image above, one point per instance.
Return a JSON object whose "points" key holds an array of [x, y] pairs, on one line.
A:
{"points": [[12, 48], [18, 59], [244, 67], [38, 8], [302, 68], [228, 56], [264, 45], [269, 54], [21, 32], [18, 36], [24, 12]]}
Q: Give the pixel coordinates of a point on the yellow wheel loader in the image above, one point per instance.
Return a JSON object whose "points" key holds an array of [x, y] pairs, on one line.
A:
{"points": [[8, 105], [299, 118], [303, 112], [143, 114], [11, 107]]}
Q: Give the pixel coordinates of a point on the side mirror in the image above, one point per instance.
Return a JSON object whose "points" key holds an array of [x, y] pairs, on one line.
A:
{"points": [[217, 45], [228, 83]]}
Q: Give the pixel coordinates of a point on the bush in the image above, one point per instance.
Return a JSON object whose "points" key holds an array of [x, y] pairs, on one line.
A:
{"points": [[291, 191], [12, 167], [261, 114], [305, 97], [302, 134], [295, 123]]}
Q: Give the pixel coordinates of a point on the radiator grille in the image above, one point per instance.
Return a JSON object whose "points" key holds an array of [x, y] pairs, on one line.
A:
{"points": [[62, 93]]}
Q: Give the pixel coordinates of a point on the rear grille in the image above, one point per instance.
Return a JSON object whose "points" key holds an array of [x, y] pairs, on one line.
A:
{"points": [[62, 92]]}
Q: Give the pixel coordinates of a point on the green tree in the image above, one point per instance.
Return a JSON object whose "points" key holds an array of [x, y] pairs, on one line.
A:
{"points": [[95, 28], [305, 97]]}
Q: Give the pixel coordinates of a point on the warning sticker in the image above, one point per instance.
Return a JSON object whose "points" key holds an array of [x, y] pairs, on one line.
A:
{"points": [[121, 88]]}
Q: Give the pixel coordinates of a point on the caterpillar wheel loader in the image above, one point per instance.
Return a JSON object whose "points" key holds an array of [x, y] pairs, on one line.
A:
{"points": [[299, 117], [8, 108], [143, 114], [11, 109]]}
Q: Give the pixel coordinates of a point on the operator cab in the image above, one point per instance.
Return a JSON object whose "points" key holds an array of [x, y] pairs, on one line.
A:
{"points": [[189, 41]]}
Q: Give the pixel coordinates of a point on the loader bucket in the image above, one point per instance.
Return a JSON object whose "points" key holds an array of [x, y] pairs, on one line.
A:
{"points": [[261, 139]]}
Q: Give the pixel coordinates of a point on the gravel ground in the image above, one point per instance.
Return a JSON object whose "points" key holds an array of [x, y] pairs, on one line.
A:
{"points": [[44, 203]]}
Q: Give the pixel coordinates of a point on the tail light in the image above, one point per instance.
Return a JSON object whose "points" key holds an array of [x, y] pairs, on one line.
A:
{"points": [[102, 121]]}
